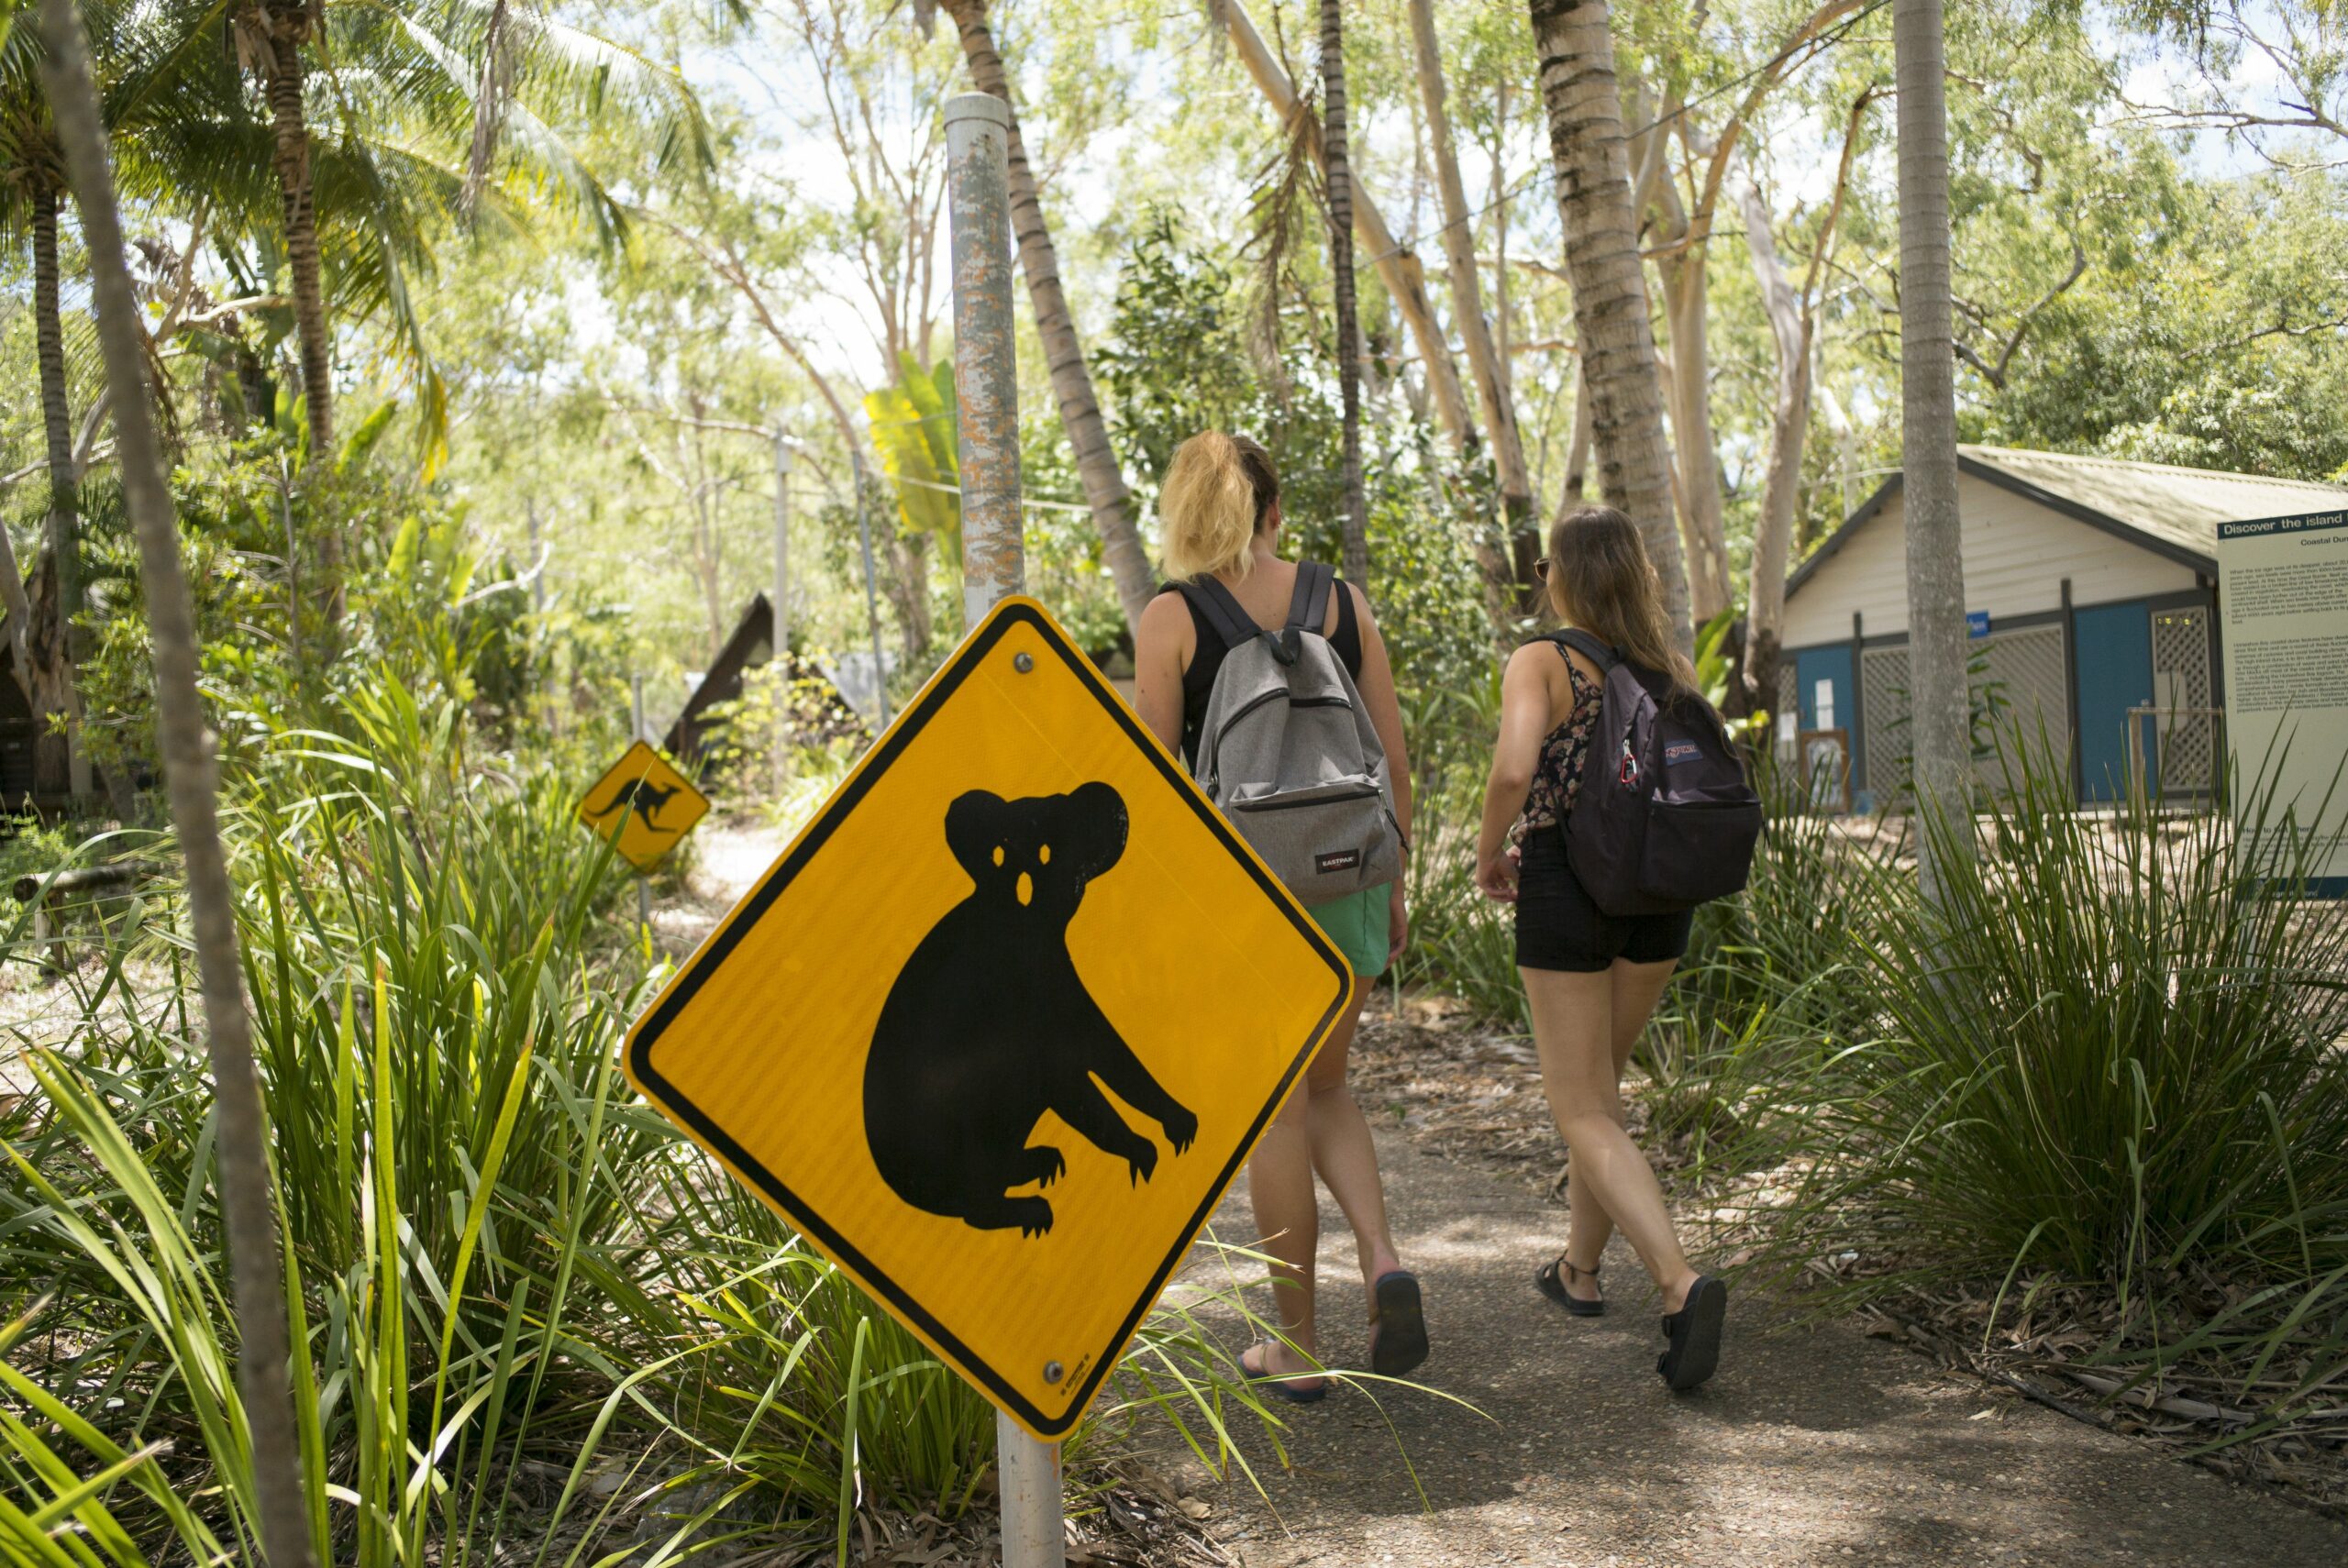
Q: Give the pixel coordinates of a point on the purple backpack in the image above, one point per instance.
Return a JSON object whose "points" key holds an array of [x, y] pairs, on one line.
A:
{"points": [[1665, 819]]}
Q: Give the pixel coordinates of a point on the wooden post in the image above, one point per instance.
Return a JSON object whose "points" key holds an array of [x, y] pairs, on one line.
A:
{"points": [[986, 389], [643, 879]]}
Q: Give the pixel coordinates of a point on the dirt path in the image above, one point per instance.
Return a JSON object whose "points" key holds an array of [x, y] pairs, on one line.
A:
{"points": [[1815, 1446], [1812, 1447]]}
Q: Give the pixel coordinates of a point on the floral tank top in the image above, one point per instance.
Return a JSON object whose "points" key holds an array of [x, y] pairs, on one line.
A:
{"points": [[1556, 776]]}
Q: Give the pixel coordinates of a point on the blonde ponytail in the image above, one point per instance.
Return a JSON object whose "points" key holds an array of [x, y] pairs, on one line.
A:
{"points": [[1213, 499]]}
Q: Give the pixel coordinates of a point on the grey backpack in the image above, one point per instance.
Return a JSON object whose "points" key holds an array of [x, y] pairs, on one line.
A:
{"points": [[1287, 751]]}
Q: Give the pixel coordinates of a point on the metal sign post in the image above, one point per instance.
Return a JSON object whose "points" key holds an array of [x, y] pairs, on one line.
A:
{"points": [[871, 603], [636, 706], [781, 607], [986, 391]]}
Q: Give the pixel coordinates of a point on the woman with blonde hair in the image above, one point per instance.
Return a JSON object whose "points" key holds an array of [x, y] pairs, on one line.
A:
{"points": [[1592, 980], [1221, 506]]}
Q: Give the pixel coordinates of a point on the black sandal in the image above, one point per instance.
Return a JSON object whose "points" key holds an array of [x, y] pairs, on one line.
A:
{"points": [[1397, 1335], [1555, 1288], [1695, 1334]]}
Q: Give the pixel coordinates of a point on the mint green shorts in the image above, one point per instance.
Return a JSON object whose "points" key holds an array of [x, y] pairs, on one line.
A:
{"points": [[1357, 925]]}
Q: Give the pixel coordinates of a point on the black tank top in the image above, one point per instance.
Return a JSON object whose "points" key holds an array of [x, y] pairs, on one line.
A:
{"points": [[1198, 680]]}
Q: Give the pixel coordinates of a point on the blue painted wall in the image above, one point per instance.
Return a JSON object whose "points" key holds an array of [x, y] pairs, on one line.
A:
{"points": [[2115, 660]]}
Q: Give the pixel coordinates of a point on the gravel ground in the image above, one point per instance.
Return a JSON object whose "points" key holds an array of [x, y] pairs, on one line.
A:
{"points": [[1813, 1445]]}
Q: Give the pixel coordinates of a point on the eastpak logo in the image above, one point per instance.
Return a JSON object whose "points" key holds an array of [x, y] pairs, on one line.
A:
{"points": [[1336, 860]]}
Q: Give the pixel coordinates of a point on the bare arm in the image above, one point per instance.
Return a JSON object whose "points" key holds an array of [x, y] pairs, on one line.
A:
{"points": [[1525, 720], [1163, 644]]}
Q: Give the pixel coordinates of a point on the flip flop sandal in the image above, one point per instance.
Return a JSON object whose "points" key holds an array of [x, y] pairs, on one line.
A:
{"points": [[1555, 1288], [1397, 1334], [1695, 1334], [1279, 1388]]}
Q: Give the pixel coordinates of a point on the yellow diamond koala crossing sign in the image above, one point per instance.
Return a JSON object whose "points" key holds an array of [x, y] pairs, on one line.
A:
{"points": [[643, 805], [1003, 1023]]}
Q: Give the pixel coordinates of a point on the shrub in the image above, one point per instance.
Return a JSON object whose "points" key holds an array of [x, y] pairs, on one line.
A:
{"points": [[2108, 1056]]}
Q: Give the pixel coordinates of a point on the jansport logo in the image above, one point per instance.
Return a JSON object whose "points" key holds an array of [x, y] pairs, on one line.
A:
{"points": [[1678, 752], [1336, 860]]}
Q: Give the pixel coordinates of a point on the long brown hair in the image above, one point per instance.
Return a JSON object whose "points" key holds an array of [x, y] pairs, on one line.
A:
{"points": [[1601, 580]]}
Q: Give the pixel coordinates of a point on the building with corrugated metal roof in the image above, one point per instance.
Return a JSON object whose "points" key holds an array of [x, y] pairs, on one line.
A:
{"points": [[2091, 590]]}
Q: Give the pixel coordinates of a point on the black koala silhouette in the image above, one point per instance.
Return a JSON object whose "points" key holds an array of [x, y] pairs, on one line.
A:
{"points": [[989, 1024], [646, 797]]}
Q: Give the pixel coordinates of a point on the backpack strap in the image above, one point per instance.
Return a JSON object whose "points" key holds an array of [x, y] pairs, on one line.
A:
{"points": [[1308, 610], [1231, 622], [1589, 647]]}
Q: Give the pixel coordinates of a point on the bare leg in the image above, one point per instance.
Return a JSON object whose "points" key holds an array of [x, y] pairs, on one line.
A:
{"points": [[1288, 1219], [1573, 1029], [1343, 1151], [1636, 987]]}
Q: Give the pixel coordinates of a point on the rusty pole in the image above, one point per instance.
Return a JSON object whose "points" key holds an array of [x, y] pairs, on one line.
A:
{"points": [[986, 374], [986, 389]]}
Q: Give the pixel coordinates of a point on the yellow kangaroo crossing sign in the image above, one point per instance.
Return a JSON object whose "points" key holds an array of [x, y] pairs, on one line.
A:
{"points": [[1002, 1024], [643, 805]]}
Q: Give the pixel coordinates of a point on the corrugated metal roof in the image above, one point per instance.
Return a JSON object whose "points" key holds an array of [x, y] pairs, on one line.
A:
{"points": [[2181, 507]]}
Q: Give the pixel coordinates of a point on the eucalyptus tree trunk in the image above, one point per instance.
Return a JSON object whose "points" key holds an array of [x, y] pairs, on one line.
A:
{"points": [[240, 1143], [1618, 359], [1773, 530], [1341, 272], [1928, 440], [1687, 307], [57, 637], [1397, 266], [1484, 358], [1096, 462]]}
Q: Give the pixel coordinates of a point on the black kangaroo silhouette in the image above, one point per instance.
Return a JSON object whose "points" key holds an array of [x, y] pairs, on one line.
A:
{"points": [[646, 797], [989, 1024]]}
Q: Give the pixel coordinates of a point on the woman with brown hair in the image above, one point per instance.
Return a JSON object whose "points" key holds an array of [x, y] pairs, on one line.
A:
{"points": [[1219, 503], [1592, 980]]}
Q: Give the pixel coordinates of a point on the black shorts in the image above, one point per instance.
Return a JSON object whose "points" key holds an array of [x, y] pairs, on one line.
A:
{"points": [[1557, 927]]}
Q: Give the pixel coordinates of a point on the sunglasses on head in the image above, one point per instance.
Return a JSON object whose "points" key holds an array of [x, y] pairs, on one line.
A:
{"points": [[1540, 569]]}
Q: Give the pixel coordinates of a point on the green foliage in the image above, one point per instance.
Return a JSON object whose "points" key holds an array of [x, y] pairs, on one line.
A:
{"points": [[506, 1277], [914, 426]]}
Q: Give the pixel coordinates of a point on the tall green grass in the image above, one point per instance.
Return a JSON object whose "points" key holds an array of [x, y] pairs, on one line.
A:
{"points": [[530, 1320], [2109, 1059]]}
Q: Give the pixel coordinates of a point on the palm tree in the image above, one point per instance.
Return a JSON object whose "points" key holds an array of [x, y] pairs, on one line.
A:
{"points": [[360, 166], [1936, 635], [1088, 436], [162, 100], [1618, 360], [242, 1146], [1341, 273], [270, 36]]}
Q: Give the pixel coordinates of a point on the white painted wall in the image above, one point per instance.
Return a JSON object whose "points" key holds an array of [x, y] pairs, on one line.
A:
{"points": [[2017, 553]]}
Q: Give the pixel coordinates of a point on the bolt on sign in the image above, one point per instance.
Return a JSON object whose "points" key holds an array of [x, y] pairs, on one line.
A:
{"points": [[642, 805], [1002, 1024]]}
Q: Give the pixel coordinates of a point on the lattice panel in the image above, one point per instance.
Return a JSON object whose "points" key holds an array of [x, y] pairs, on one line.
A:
{"points": [[1883, 717], [2024, 698], [1789, 700], [2188, 740]]}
